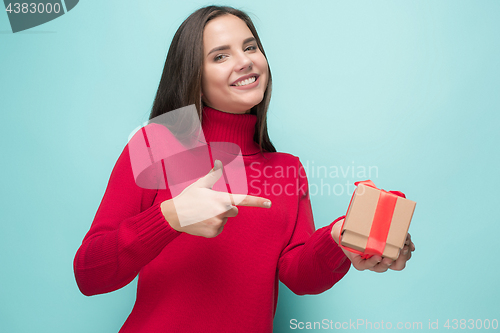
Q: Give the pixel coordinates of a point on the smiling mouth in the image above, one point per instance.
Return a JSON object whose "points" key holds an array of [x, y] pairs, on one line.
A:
{"points": [[245, 82]]}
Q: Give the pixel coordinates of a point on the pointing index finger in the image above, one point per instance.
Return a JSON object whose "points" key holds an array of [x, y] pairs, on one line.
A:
{"points": [[250, 201]]}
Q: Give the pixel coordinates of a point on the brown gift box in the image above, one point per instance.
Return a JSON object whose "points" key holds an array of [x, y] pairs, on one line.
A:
{"points": [[358, 221]]}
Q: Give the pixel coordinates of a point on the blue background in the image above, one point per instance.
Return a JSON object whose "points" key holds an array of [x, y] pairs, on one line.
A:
{"points": [[410, 88]]}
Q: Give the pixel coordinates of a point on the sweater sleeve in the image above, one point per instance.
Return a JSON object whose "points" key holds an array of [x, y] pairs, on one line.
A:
{"points": [[312, 262], [126, 234]]}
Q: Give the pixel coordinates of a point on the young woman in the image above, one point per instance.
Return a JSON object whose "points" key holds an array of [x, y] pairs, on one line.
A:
{"points": [[220, 274]]}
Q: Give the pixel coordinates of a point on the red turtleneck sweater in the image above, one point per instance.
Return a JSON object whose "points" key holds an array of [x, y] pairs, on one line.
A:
{"points": [[224, 284]]}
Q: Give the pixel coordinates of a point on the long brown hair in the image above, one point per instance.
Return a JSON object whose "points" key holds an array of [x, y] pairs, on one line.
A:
{"points": [[180, 83]]}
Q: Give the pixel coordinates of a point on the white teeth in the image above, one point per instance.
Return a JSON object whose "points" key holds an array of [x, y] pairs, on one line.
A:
{"points": [[245, 82]]}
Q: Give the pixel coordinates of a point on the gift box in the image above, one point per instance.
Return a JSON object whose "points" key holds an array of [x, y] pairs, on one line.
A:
{"points": [[376, 222]]}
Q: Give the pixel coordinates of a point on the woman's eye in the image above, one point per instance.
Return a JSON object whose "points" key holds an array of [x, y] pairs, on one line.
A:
{"points": [[219, 57], [251, 48]]}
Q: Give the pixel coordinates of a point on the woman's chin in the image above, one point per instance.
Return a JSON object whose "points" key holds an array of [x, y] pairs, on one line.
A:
{"points": [[248, 104], [237, 106]]}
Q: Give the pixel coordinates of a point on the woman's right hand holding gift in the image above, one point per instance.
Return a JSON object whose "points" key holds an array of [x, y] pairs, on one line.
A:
{"points": [[375, 263]]}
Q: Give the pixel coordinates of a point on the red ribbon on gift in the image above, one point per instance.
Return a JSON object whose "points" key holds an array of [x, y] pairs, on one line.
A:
{"points": [[381, 221]]}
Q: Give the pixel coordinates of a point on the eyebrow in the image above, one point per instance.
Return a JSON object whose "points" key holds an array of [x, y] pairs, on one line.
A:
{"points": [[225, 47]]}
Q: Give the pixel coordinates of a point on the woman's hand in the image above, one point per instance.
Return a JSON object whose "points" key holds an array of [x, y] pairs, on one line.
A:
{"points": [[198, 210], [376, 263]]}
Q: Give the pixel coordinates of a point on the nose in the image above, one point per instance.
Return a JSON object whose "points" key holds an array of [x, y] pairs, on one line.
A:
{"points": [[243, 62]]}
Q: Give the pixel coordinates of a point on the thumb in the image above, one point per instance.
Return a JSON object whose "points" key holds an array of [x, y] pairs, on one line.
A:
{"points": [[212, 177]]}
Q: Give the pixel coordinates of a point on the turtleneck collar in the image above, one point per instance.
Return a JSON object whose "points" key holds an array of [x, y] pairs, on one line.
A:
{"points": [[219, 126]]}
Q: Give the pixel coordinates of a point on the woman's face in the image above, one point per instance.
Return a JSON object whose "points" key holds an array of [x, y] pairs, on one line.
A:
{"points": [[231, 55]]}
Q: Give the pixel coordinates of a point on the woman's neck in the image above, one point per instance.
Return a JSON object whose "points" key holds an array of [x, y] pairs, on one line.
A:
{"points": [[219, 126]]}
